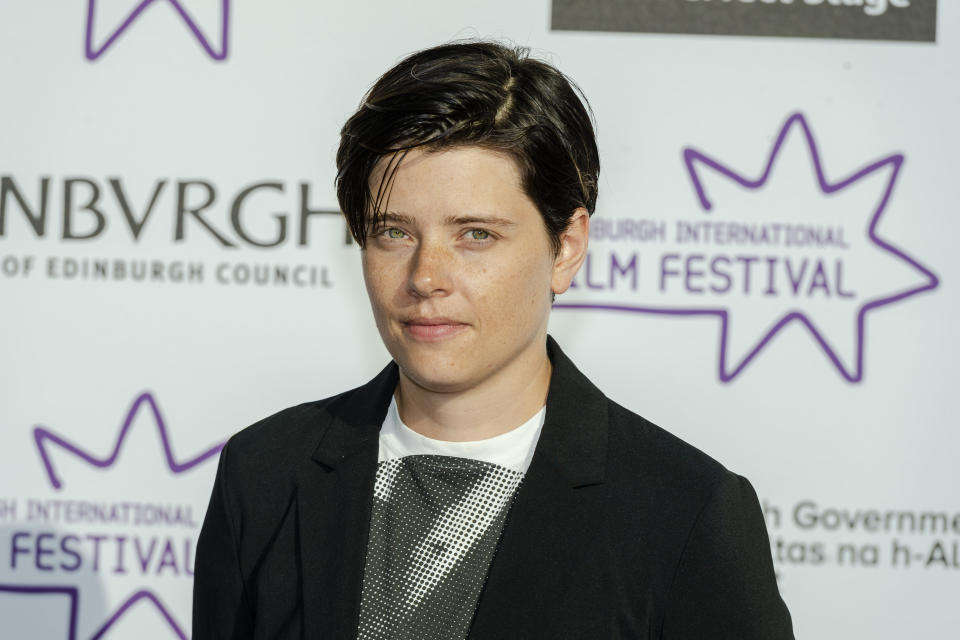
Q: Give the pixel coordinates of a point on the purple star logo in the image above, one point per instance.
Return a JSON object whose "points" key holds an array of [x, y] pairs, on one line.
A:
{"points": [[149, 597], [73, 596], [92, 52], [42, 436], [709, 174], [44, 592]]}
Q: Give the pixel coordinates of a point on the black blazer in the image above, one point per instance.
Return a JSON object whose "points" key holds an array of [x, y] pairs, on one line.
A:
{"points": [[619, 529]]}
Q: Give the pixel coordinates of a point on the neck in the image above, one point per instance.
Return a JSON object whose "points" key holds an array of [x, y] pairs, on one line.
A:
{"points": [[497, 405]]}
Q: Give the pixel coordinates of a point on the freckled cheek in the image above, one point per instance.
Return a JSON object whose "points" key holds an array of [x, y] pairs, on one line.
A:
{"points": [[509, 297], [379, 281]]}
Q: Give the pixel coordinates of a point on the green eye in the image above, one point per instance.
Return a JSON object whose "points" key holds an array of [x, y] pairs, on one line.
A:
{"points": [[395, 234], [479, 234]]}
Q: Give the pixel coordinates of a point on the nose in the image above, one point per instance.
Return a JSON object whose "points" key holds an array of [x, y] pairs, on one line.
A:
{"points": [[430, 271]]}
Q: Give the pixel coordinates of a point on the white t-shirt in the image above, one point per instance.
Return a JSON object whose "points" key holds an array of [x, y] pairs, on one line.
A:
{"points": [[513, 449]]}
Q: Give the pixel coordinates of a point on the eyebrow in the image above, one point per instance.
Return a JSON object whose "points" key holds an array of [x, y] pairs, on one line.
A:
{"points": [[391, 217], [399, 218], [475, 219]]}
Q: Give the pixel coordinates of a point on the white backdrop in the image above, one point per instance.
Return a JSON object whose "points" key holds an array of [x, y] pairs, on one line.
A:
{"points": [[802, 336]]}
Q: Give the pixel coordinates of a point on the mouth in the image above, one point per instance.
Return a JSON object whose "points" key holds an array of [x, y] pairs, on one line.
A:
{"points": [[432, 329]]}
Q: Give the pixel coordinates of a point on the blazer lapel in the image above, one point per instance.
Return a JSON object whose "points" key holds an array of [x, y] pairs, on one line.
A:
{"points": [[540, 581], [334, 496], [544, 580]]}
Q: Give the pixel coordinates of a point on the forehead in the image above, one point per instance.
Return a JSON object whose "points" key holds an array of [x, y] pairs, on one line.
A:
{"points": [[453, 181]]}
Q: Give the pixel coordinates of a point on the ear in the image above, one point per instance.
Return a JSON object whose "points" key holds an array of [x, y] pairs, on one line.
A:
{"points": [[573, 251]]}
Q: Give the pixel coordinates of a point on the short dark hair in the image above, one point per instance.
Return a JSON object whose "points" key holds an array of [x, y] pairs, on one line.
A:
{"points": [[475, 93]]}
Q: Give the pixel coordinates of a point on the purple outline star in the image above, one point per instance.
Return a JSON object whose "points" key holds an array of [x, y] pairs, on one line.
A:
{"points": [[691, 156], [37, 590], [132, 600], [41, 434], [73, 593], [91, 54]]}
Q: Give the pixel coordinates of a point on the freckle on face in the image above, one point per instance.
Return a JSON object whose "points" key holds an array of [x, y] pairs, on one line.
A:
{"points": [[437, 273]]}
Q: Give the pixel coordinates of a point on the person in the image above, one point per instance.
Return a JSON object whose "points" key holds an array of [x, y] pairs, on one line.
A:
{"points": [[480, 486]]}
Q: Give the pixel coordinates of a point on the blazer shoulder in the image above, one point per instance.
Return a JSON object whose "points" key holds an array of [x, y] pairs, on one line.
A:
{"points": [[651, 453], [290, 424], [279, 443]]}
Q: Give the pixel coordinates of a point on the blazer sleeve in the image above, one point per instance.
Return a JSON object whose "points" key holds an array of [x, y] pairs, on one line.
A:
{"points": [[221, 608], [725, 586]]}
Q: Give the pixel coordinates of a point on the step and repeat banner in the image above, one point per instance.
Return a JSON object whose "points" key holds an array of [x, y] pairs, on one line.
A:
{"points": [[771, 273]]}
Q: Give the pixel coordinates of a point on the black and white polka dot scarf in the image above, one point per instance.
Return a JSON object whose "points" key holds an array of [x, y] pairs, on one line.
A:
{"points": [[434, 529]]}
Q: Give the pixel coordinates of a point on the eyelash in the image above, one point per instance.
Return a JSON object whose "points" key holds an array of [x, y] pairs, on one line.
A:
{"points": [[488, 236]]}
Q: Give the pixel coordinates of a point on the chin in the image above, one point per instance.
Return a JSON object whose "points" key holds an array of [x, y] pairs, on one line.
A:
{"points": [[439, 379]]}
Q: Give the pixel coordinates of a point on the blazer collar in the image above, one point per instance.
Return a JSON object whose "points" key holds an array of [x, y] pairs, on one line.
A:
{"points": [[573, 439], [356, 423], [574, 436], [553, 515]]}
